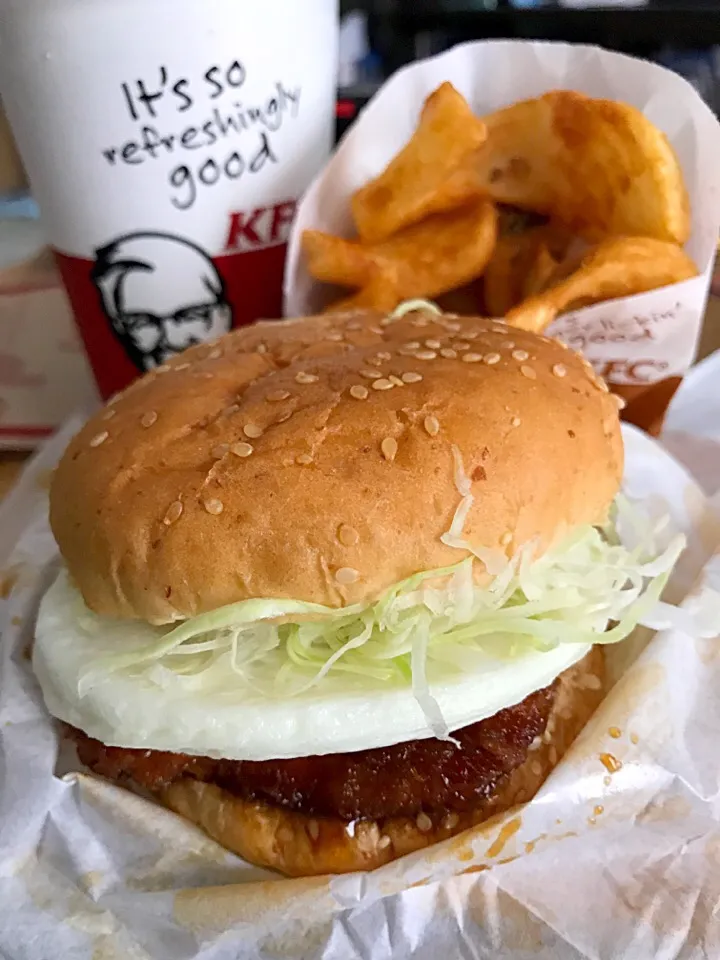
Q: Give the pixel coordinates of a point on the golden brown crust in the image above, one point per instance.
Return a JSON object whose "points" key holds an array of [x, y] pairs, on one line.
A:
{"points": [[298, 845], [158, 520]]}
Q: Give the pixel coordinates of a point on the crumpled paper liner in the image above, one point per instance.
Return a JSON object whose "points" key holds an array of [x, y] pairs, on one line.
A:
{"points": [[618, 855], [642, 345]]}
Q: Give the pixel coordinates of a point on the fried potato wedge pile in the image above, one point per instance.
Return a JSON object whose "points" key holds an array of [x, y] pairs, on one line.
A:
{"points": [[548, 205]]}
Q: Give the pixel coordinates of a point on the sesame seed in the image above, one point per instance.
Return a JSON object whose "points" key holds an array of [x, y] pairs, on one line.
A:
{"points": [[313, 829], [358, 391], [411, 377], [241, 449], [354, 325], [559, 370], [433, 344], [109, 414], [453, 327], [448, 353], [284, 416], [346, 575], [303, 377], [215, 354], [347, 535], [506, 538], [335, 336], [520, 355], [426, 355], [620, 401], [163, 368], [304, 459], [277, 395], [382, 385], [536, 767], [181, 366], [451, 821], [412, 345], [384, 842], [99, 438], [461, 345], [389, 448], [261, 348], [499, 326], [174, 512], [507, 344], [396, 380], [420, 322], [376, 329], [213, 506], [232, 409], [370, 374], [528, 372], [515, 422], [375, 361], [383, 355], [220, 450], [490, 358], [252, 430], [472, 357], [432, 425], [424, 823]]}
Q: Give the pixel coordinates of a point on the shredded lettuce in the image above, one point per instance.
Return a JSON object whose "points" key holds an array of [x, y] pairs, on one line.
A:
{"points": [[408, 306], [595, 587]]}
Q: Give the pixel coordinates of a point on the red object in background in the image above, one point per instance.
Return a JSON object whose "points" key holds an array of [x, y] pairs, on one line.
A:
{"points": [[253, 288], [346, 109]]}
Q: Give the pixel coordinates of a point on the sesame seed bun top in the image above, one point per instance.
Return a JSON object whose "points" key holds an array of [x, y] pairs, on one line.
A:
{"points": [[313, 459]]}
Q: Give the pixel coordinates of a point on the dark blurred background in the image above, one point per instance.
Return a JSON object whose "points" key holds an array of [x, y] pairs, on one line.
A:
{"points": [[378, 36]]}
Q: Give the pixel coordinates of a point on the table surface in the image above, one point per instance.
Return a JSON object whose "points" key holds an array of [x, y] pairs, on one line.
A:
{"points": [[10, 466]]}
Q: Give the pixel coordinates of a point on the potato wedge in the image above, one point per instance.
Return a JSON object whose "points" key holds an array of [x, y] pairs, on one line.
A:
{"points": [[441, 253], [380, 293], [599, 166], [334, 260], [540, 272], [617, 267], [514, 265], [426, 176]]}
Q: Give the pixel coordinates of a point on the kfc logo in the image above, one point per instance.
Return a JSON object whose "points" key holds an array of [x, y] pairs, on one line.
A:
{"points": [[161, 294]]}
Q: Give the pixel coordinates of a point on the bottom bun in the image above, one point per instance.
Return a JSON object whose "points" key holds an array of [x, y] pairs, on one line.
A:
{"points": [[299, 845]]}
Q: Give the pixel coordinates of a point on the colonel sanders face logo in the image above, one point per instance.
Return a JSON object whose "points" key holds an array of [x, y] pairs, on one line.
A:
{"points": [[161, 294]]}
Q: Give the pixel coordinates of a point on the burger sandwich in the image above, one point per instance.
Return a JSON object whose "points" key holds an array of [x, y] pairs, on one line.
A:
{"points": [[338, 588]]}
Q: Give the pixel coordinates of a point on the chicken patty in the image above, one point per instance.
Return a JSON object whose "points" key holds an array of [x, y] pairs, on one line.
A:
{"points": [[402, 780]]}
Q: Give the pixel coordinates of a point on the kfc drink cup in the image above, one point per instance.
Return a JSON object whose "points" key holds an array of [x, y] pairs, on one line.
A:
{"points": [[167, 142]]}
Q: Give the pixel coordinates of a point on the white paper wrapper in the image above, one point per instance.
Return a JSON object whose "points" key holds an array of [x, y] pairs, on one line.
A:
{"points": [[635, 340], [598, 865]]}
